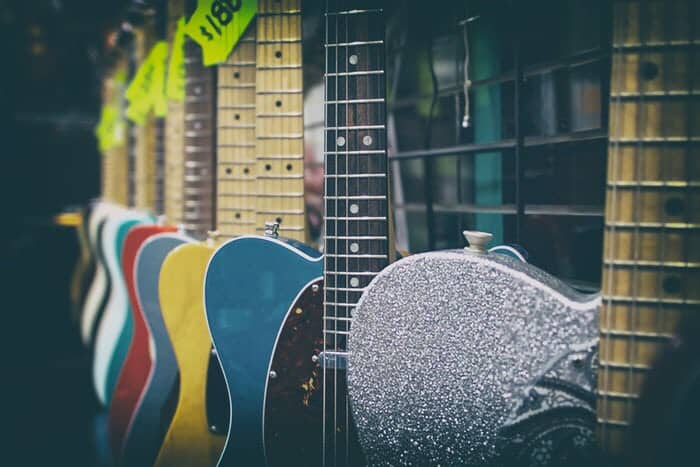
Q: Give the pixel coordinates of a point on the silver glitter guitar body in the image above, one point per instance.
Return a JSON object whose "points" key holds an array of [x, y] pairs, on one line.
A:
{"points": [[473, 358]]}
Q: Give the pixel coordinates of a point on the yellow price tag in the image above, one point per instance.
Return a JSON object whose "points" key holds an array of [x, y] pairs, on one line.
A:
{"points": [[175, 88], [217, 25]]}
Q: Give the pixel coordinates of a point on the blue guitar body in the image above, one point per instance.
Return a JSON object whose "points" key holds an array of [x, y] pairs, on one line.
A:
{"points": [[251, 285], [151, 419]]}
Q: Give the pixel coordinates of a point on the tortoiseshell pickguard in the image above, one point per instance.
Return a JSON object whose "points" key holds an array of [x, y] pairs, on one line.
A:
{"points": [[293, 427], [294, 404]]}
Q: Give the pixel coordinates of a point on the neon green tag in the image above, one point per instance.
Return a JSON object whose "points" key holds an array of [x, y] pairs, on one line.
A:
{"points": [[137, 111], [159, 55], [175, 87], [147, 90], [119, 124], [217, 25], [103, 130]]}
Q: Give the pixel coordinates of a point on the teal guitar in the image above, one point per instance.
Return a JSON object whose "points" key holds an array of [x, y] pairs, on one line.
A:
{"points": [[277, 312]]}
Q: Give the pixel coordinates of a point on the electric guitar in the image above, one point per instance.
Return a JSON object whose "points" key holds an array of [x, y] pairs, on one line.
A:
{"points": [[137, 364], [648, 376], [115, 328], [114, 184], [462, 357], [152, 411], [201, 408], [265, 297], [98, 291]]}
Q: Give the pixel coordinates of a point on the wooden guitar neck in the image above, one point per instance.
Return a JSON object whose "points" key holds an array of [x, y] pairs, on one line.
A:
{"points": [[652, 226], [174, 142], [114, 160], [279, 123], [235, 187], [198, 194]]}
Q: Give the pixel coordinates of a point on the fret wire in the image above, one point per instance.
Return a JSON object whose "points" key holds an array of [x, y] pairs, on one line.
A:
{"points": [[354, 73], [354, 43], [353, 12]]}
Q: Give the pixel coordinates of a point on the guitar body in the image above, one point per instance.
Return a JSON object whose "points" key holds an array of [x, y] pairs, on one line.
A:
{"points": [[98, 291], [151, 416], [115, 327], [251, 287], [188, 441], [84, 267], [462, 358], [137, 363]]}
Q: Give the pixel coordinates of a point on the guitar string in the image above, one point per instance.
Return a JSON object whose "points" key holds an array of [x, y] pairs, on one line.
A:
{"points": [[619, 70], [641, 122], [327, 146], [659, 318], [349, 120], [690, 169]]}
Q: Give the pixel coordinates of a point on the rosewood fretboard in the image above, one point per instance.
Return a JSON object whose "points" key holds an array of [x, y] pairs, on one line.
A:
{"points": [[199, 159], [356, 242]]}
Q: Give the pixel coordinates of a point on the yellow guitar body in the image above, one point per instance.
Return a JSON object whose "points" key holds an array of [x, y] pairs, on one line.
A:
{"points": [[188, 442]]}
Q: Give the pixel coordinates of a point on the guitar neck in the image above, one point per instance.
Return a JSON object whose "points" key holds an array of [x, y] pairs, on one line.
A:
{"points": [[235, 187], [652, 226], [356, 208], [174, 143], [279, 122], [198, 180]]}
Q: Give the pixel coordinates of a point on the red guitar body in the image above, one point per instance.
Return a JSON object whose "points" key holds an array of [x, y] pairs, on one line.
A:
{"points": [[137, 364]]}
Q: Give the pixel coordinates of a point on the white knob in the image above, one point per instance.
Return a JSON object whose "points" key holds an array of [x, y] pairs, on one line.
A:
{"points": [[478, 241]]}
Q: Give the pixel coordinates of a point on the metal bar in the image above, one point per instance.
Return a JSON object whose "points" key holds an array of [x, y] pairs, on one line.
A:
{"points": [[518, 130], [454, 150]]}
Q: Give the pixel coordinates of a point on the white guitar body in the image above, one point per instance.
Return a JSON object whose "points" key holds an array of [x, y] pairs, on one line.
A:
{"points": [[98, 288], [116, 309]]}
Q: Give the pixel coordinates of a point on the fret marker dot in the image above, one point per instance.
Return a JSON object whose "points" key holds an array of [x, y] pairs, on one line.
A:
{"points": [[278, 103], [289, 167], [672, 285], [278, 54], [268, 167], [237, 117], [354, 247], [674, 206], [354, 208], [648, 71], [353, 59], [246, 170], [278, 220], [236, 75], [198, 90], [354, 282], [228, 170], [341, 141], [197, 125], [367, 140], [238, 215]]}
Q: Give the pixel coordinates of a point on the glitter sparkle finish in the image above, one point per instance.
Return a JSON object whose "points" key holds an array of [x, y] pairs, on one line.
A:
{"points": [[446, 346]]}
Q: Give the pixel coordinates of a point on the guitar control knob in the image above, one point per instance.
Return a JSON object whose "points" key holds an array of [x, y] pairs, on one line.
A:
{"points": [[272, 229], [213, 236], [478, 241]]}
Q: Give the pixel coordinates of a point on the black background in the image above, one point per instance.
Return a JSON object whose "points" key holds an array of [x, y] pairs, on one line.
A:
{"points": [[51, 53]]}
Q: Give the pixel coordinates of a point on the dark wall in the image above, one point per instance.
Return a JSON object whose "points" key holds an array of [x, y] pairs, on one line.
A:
{"points": [[51, 52]]}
